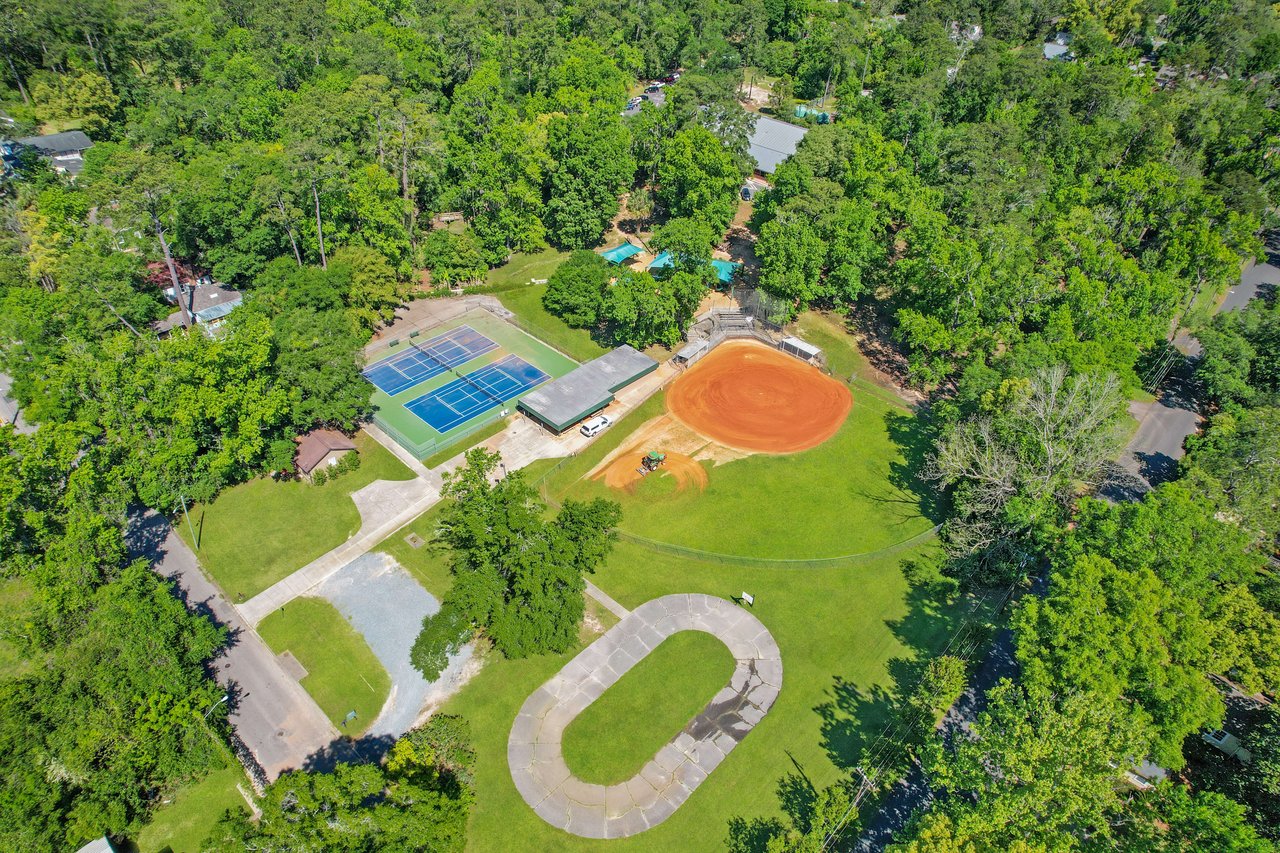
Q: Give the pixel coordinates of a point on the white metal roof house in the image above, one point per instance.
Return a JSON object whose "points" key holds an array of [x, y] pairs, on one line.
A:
{"points": [[773, 141]]}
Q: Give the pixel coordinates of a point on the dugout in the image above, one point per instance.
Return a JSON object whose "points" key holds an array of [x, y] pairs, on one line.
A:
{"points": [[802, 350], [582, 392]]}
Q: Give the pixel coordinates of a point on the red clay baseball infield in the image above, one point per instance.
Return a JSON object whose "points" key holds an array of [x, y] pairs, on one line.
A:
{"points": [[748, 396]]}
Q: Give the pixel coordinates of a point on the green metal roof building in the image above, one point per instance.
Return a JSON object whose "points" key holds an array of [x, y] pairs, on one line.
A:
{"points": [[585, 390]]}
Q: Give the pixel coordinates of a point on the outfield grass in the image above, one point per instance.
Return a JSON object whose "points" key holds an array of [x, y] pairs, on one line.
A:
{"points": [[184, 823], [853, 494], [685, 671], [522, 268], [842, 632], [256, 533], [342, 673], [526, 304]]}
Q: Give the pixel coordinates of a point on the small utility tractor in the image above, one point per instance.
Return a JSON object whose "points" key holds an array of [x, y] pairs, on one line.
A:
{"points": [[650, 462]]}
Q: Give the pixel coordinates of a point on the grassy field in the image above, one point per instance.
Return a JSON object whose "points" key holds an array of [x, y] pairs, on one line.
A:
{"points": [[853, 494], [342, 673], [526, 304], [686, 670], [256, 533], [429, 564], [843, 633], [182, 825], [522, 269]]}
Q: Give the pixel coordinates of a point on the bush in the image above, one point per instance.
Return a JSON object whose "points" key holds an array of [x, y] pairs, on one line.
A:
{"points": [[320, 476]]}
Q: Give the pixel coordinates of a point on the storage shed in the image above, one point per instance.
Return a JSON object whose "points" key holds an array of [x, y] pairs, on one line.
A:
{"points": [[585, 390]]}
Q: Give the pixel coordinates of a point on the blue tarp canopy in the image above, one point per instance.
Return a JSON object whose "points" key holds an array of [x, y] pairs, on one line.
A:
{"points": [[724, 269], [618, 254]]}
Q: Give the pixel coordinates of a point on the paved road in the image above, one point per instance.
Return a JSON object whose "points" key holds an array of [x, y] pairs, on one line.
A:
{"points": [[665, 782], [1152, 455], [271, 713]]}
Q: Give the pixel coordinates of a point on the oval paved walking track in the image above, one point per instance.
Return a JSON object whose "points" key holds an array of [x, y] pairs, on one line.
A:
{"points": [[666, 781]]}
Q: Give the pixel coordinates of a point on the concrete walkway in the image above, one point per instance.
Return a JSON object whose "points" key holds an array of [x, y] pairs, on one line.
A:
{"points": [[386, 605], [609, 604], [411, 501], [665, 782]]}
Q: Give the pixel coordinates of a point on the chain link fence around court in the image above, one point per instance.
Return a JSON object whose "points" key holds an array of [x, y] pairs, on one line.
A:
{"points": [[743, 560]]}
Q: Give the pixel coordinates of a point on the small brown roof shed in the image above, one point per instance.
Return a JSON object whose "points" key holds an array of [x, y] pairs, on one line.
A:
{"points": [[316, 445]]}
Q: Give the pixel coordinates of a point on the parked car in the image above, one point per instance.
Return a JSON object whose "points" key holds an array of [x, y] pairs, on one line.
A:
{"points": [[652, 89], [672, 77], [595, 426]]}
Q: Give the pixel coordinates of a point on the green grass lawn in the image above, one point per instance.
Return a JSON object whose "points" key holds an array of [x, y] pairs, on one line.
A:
{"points": [[526, 304], [182, 824], [428, 564], [853, 494], [521, 269], [843, 633], [256, 533], [442, 456], [686, 670], [342, 673]]}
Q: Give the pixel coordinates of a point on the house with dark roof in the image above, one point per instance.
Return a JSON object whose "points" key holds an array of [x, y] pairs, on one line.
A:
{"points": [[64, 151], [208, 303], [773, 141], [319, 449]]}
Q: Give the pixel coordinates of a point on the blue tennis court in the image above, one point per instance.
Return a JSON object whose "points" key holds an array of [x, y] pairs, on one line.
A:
{"points": [[462, 399], [431, 358]]}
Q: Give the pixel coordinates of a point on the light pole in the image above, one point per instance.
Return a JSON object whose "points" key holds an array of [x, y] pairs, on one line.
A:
{"points": [[225, 697]]}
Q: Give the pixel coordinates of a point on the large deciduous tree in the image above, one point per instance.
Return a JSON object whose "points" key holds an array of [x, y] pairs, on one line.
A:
{"points": [[517, 575]]}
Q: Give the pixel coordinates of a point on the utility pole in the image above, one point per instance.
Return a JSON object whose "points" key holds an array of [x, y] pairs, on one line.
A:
{"points": [[190, 529]]}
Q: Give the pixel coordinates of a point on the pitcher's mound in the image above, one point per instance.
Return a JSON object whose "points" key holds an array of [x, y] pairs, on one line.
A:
{"points": [[749, 396]]}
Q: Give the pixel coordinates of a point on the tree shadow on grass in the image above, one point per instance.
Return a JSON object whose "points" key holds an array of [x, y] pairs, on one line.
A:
{"points": [[915, 437], [864, 726], [368, 749]]}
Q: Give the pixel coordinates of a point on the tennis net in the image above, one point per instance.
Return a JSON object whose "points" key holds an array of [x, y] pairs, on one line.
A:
{"points": [[476, 385]]}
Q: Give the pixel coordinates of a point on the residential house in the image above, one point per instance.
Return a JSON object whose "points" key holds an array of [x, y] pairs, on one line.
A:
{"points": [[208, 303], [1058, 48], [64, 151]]}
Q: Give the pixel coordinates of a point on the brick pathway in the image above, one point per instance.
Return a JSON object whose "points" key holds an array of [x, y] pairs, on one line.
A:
{"points": [[665, 782]]}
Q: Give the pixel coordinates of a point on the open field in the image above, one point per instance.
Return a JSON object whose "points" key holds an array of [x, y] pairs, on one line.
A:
{"points": [[526, 303], [342, 673], [256, 533], [844, 634], [686, 671], [522, 268], [181, 826], [853, 494]]}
